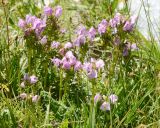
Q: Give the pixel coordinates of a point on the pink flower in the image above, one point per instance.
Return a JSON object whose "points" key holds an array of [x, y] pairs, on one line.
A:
{"points": [[87, 66], [48, 11], [69, 54], [81, 30], [56, 62], [33, 79], [91, 33], [22, 23], [66, 65], [102, 26], [134, 46], [105, 106], [112, 23], [68, 45], [77, 66], [113, 98], [35, 98], [80, 40], [43, 41], [26, 77], [23, 96], [71, 58], [128, 26], [58, 11], [115, 21], [92, 74], [72, 61], [125, 51], [62, 51], [118, 18], [30, 19], [100, 64], [97, 98], [55, 44], [37, 23], [22, 84], [117, 41]]}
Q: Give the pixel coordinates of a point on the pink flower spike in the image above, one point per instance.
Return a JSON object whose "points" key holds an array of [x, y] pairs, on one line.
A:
{"points": [[66, 65], [30, 19], [22, 85], [134, 46], [48, 11], [69, 54], [97, 98], [80, 40], [105, 106], [43, 41], [81, 30], [87, 67], [55, 44], [35, 98], [77, 66], [58, 11], [23, 96], [56, 62], [91, 33], [26, 77], [33, 79], [92, 74], [100, 64], [102, 26], [113, 98], [68, 45], [62, 51]]}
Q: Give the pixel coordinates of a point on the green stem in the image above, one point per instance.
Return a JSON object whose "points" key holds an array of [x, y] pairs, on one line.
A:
{"points": [[46, 73], [29, 60], [60, 84], [92, 106]]}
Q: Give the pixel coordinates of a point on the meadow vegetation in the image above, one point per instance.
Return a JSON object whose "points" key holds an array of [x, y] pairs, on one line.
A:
{"points": [[76, 65]]}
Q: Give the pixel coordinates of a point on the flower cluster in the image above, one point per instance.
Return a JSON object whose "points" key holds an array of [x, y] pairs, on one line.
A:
{"points": [[115, 22], [24, 96], [105, 106], [70, 61], [48, 11], [32, 24], [129, 24], [29, 80], [67, 62], [83, 34], [91, 67], [37, 25], [102, 27], [129, 47]]}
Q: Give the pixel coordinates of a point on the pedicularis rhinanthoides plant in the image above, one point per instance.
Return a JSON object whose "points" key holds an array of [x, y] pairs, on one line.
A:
{"points": [[72, 61]]}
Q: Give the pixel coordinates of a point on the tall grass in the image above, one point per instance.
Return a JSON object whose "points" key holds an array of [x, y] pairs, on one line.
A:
{"points": [[66, 98]]}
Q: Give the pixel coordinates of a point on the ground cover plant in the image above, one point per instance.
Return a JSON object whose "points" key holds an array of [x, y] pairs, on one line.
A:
{"points": [[68, 64]]}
